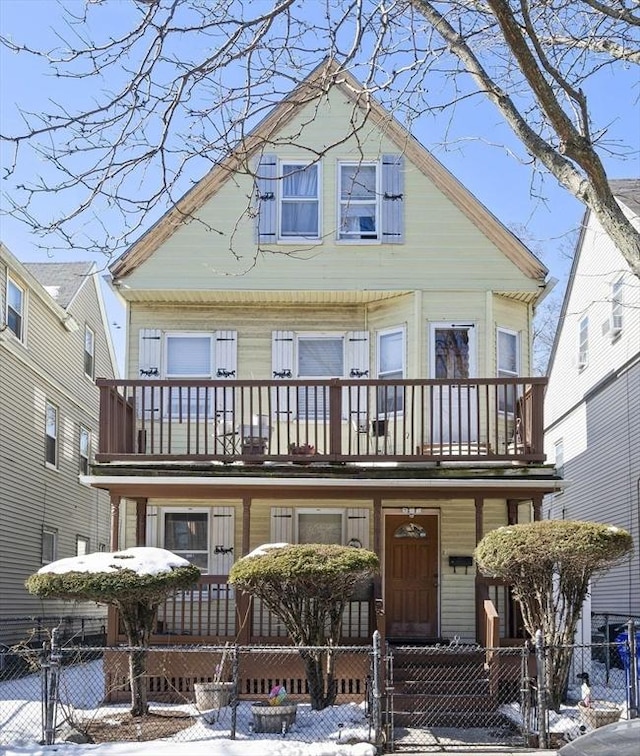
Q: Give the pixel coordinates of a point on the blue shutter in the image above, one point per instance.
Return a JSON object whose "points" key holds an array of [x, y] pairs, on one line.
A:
{"points": [[267, 199], [393, 199]]}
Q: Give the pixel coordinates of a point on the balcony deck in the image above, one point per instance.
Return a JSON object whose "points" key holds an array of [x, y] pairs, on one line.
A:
{"points": [[322, 421]]}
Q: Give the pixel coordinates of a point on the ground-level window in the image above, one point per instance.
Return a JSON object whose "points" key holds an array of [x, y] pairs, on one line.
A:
{"points": [[186, 533], [51, 435], [82, 546], [49, 545]]}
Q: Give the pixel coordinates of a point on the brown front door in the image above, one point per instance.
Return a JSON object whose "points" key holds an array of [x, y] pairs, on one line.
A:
{"points": [[411, 576]]}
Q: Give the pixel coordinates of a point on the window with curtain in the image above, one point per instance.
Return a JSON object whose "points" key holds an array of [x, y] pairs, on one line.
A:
{"points": [[359, 207], [189, 356], [187, 535], [299, 201], [320, 527], [507, 368], [390, 366], [318, 357]]}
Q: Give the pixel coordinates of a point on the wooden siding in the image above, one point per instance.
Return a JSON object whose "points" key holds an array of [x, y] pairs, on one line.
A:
{"points": [[49, 366], [441, 241]]}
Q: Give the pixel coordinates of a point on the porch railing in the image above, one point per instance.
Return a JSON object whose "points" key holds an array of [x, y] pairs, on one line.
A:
{"points": [[333, 420]]}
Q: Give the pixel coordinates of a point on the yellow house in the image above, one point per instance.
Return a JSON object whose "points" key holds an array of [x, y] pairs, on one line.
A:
{"points": [[329, 340]]}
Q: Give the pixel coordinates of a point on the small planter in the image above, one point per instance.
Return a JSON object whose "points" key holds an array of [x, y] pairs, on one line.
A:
{"points": [[212, 695], [599, 714], [303, 451], [268, 718]]}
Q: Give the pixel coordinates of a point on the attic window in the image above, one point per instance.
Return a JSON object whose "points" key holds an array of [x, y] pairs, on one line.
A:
{"points": [[359, 207], [299, 201]]}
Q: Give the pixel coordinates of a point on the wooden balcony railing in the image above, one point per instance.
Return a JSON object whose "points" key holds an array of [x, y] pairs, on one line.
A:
{"points": [[213, 609], [335, 420]]}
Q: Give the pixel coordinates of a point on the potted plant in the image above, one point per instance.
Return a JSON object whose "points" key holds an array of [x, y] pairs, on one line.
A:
{"points": [[216, 693], [276, 715], [302, 450]]}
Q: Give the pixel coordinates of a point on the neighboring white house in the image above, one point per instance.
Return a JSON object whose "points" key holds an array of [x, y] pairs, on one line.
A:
{"points": [[54, 343], [592, 403]]}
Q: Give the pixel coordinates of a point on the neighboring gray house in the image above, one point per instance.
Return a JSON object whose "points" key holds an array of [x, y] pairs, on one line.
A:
{"points": [[54, 343], [592, 403]]}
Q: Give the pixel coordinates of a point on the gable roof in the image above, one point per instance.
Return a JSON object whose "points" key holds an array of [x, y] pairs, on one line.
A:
{"points": [[326, 76], [626, 191], [61, 280]]}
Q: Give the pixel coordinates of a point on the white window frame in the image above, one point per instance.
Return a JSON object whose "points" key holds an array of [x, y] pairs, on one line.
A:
{"points": [[381, 375], [11, 282], [49, 537], [163, 511], [187, 410], [297, 238], [361, 237], [558, 461], [84, 450], [320, 511], [506, 401], [89, 353], [617, 308], [583, 342], [309, 335], [82, 545], [50, 407]]}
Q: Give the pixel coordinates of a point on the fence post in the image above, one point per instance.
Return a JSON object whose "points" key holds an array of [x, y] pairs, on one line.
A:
{"points": [[235, 676], [50, 668], [541, 669], [376, 695], [632, 672]]}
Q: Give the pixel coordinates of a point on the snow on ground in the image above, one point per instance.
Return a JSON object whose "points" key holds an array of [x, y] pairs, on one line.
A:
{"points": [[82, 690]]}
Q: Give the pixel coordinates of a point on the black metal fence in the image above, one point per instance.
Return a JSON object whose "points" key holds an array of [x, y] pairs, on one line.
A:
{"points": [[399, 698]]}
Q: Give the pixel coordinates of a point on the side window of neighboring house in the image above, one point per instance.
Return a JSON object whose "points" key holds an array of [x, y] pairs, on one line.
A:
{"points": [[559, 458], [319, 356], [15, 308], [49, 545], [299, 201], [190, 356], [391, 355], [617, 305], [84, 450], [82, 546], [89, 352], [583, 343], [51, 435], [359, 203], [508, 360]]}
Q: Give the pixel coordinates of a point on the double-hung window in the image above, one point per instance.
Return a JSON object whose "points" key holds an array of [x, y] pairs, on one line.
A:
{"points": [[508, 367], [189, 356], [84, 450], [51, 435], [615, 326], [186, 533], [299, 201], [318, 357], [583, 343], [15, 309], [49, 545], [89, 352], [359, 206], [390, 366]]}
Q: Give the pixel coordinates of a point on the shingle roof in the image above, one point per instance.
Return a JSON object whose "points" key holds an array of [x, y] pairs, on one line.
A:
{"points": [[61, 280], [627, 190]]}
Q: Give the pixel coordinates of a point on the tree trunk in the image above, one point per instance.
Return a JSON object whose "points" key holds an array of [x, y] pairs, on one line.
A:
{"points": [[138, 681], [322, 690]]}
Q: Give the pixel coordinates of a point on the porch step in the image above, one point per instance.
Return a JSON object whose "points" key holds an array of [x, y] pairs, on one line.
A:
{"points": [[418, 719], [457, 686]]}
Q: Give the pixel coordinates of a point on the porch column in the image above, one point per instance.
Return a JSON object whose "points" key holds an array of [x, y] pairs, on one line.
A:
{"points": [[479, 506], [537, 507], [115, 520], [246, 525], [141, 522]]}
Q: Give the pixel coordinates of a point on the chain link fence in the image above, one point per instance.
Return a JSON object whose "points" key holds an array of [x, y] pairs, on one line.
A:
{"points": [[400, 698]]}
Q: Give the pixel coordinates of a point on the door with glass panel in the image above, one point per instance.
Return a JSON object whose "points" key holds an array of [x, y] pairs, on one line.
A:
{"points": [[453, 406]]}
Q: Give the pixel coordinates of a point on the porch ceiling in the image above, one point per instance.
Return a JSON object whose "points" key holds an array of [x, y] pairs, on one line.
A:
{"points": [[231, 297]]}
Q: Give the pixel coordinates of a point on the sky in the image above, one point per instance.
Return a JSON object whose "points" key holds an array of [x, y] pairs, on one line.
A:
{"points": [[478, 148]]}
